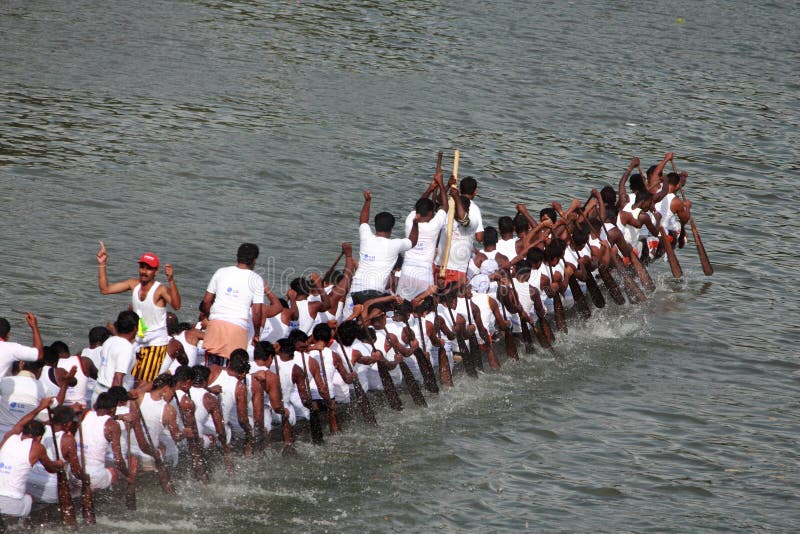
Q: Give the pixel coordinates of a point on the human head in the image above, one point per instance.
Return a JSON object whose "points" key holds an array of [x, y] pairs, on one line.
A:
{"points": [[549, 213], [61, 348], [673, 178], [521, 224], [554, 250], [105, 402], [5, 328], [184, 376], [384, 222], [637, 183], [164, 380], [348, 331], [127, 322], [201, 375], [505, 224], [424, 207], [50, 356], [263, 351], [300, 286], [285, 346], [149, 259], [98, 336], [34, 429], [118, 394], [239, 362], [172, 324], [322, 332], [63, 415], [490, 236], [468, 186], [33, 367], [535, 257], [298, 339], [247, 254], [609, 195]]}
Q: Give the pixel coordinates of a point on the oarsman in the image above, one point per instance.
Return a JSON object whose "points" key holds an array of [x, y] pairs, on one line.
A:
{"points": [[460, 242], [77, 392], [416, 274], [522, 226], [295, 394], [149, 299], [275, 316], [11, 352], [506, 244], [483, 297], [361, 355], [468, 187], [267, 392], [373, 319], [489, 260], [20, 449], [320, 394], [336, 285], [308, 310], [42, 485], [233, 392], [675, 213], [337, 375], [117, 355], [425, 308], [158, 414], [22, 392], [377, 252], [190, 339], [233, 302], [97, 336], [102, 434], [398, 338], [208, 411]]}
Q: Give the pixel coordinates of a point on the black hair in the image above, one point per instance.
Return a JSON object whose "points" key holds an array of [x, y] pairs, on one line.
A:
{"points": [[50, 356], [239, 361], [127, 322], [322, 332], [172, 324], [297, 335], [163, 380], [348, 331], [201, 374], [33, 367], [183, 327], [184, 373], [300, 286], [505, 224], [674, 178], [611, 213], [520, 223], [263, 350], [118, 394], [384, 222], [98, 335], [637, 183], [580, 235], [63, 415], [468, 185], [285, 346], [106, 401], [534, 256], [247, 254], [5, 327], [609, 195], [424, 206], [34, 428], [554, 249], [334, 278], [426, 305], [523, 266], [60, 347], [490, 236], [650, 170], [550, 213]]}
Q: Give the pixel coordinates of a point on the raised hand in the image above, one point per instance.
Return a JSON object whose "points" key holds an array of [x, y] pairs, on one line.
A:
{"points": [[367, 195], [102, 255], [31, 319], [168, 271]]}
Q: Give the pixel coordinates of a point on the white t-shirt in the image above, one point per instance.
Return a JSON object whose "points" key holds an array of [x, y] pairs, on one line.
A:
{"points": [[377, 256], [475, 215], [425, 249], [236, 291], [11, 352], [116, 356]]}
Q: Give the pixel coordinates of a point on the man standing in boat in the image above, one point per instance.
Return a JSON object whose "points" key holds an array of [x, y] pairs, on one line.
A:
{"points": [[149, 300]]}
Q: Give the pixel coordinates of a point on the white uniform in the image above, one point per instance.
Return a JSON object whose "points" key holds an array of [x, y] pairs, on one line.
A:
{"points": [[668, 218], [78, 392], [95, 449], [227, 399], [19, 395], [417, 272], [116, 356], [338, 387], [306, 323], [15, 466], [152, 412], [41, 485], [152, 330], [11, 352], [507, 247], [289, 394]]}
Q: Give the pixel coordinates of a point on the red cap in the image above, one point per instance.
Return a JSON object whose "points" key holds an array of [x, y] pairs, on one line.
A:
{"points": [[149, 259]]}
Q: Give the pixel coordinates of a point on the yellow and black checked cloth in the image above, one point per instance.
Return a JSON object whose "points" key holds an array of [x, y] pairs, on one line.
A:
{"points": [[148, 362]]}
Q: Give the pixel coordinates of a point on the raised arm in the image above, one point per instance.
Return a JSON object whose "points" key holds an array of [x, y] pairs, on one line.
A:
{"points": [[364, 217], [102, 276], [171, 294], [622, 195], [33, 323], [274, 307], [27, 418]]}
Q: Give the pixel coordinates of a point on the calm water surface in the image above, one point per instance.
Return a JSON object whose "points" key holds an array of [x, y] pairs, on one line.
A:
{"points": [[186, 128]]}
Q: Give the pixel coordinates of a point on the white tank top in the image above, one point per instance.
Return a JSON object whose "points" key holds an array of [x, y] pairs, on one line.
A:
{"points": [[274, 329], [304, 319], [205, 424], [188, 348], [77, 393], [481, 300], [507, 247], [47, 379], [152, 319], [630, 233], [227, 398], [288, 387], [299, 358], [153, 415], [15, 465], [668, 219], [95, 445]]}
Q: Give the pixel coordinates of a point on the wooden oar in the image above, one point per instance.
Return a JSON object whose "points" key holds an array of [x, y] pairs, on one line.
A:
{"points": [[438, 171], [708, 269], [445, 374], [392, 397], [512, 351], [333, 422], [451, 215], [408, 377], [469, 365], [65, 505], [329, 272], [163, 474], [130, 491], [634, 293], [361, 396], [605, 272], [425, 366], [558, 307], [579, 298], [641, 271], [664, 241], [527, 338], [314, 424], [87, 504], [475, 351]]}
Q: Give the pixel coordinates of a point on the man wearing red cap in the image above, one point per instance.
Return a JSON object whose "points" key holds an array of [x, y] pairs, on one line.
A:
{"points": [[149, 300]]}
